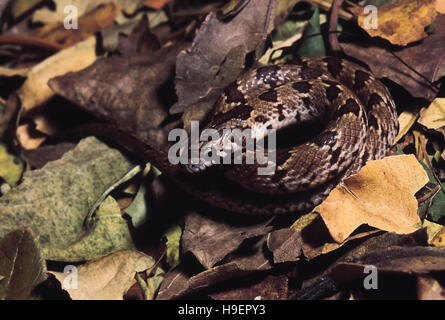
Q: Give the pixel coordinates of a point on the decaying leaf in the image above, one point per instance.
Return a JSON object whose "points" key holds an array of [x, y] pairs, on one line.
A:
{"points": [[270, 288], [211, 240], [107, 278], [55, 201], [218, 54], [426, 58], [22, 266], [401, 21], [178, 284], [127, 92], [35, 90], [380, 195]]}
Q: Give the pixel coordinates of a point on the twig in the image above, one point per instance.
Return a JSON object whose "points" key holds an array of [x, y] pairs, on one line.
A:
{"points": [[343, 14], [30, 42], [333, 19]]}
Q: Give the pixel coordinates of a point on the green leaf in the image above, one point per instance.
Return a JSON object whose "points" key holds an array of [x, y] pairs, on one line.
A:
{"points": [[138, 209], [313, 44], [11, 167], [22, 266], [57, 202], [173, 236], [110, 233]]}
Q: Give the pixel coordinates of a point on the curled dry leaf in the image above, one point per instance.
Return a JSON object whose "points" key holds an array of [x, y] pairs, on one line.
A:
{"points": [[401, 21], [380, 195], [35, 90], [107, 278]]}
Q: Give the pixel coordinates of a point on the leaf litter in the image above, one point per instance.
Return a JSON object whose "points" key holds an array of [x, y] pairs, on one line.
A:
{"points": [[134, 65]]}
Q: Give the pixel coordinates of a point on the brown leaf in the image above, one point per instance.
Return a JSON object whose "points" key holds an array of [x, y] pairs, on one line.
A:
{"points": [[426, 57], [35, 90], [88, 24], [127, 92], [429, 288], [211, 240], [178, 284], [401, 21], [218, 54], [270, 288], [380, 195], [285, 245]]}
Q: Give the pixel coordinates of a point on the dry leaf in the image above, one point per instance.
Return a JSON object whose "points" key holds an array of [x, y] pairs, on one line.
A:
{"points": [[440, 6], [402, 21], [35, 90], [211, 240], [380, 195], [156, 4], [429, 288], [99, 18], [406, 121], [433, 117], [107, 278], [27, 141], [426, 57]]}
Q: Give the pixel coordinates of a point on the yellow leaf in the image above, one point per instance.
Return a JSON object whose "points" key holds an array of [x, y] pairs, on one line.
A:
{"points": [[406, 120], [35, 90], [11, 168], [401, 21], [380, 195], [107, 278], [433, 117]]}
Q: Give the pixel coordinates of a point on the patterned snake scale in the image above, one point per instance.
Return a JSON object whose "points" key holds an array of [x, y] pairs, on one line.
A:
{"points": [[331, 116]]}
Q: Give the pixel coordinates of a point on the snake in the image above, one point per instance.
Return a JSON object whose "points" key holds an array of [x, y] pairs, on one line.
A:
{"points": [[330, 116]]}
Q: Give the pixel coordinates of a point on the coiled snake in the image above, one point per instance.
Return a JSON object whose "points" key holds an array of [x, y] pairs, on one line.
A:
{"points": [[331, 116]]}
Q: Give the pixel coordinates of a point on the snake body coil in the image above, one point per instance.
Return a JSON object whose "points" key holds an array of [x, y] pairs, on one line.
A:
{"points": [[331, 116]]}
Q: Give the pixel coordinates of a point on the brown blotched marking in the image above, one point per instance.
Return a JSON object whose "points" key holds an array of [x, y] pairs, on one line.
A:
{"points": [[310, 73], [332, 91], [301, 86], [334, 65], [374, 99], [280, 109], [360, 80], [261, 119], [233, 94], [326, 138], [334, 156], [278, 175], [241, 112], [349, 107], [269, 95], [372, 121]]}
